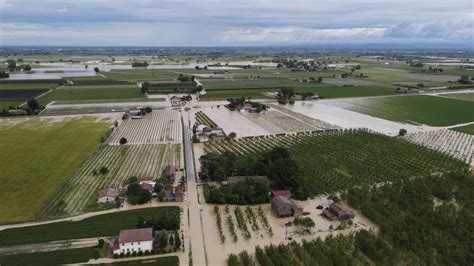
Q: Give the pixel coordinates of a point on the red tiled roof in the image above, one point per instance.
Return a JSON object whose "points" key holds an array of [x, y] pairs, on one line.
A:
{"points": [[276, 193], [134, 235], [146, 178]]}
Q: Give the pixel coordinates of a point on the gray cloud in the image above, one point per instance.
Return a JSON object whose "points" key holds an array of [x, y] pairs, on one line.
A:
{"points": [[223, 22]]}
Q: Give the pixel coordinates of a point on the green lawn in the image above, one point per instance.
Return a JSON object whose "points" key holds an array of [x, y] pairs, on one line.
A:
{"points": [[92, 93], [68, 256], [469, 129], [97, 226], [419, 109], [38, 157]]}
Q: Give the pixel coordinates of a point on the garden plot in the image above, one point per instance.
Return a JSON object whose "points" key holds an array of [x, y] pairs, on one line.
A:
{"points": [[457, 144], [122, 162], [155, 128]]}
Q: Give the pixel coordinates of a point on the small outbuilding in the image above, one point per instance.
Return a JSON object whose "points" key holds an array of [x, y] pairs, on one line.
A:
{"points": [[286, 207], [107, 195], [336, 212]]}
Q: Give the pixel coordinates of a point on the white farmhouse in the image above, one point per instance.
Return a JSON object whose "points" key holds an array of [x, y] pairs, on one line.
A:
{"points": [[134, 240]]}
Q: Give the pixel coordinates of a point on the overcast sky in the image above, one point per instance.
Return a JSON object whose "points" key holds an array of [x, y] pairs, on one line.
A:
{"points": [[234, 22]]}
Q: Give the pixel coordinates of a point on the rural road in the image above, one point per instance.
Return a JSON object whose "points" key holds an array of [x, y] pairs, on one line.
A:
{"points": [[196, 231]]}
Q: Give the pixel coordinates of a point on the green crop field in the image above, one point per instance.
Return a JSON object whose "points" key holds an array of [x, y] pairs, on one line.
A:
{"points": [[328, 91], [469, 129], [335, 160], [59, 257], [264, 83], [92, 93], [142, 74], [28, 86], [96, 226], [418, 109], [7, 104], [226, 94], [38, 157]]}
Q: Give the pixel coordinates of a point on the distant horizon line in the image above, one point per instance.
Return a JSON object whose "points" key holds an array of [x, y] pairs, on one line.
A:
{"points": [[333, 46]]}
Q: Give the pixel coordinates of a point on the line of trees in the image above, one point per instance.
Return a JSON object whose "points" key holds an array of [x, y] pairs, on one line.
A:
{"points": [[276, 164]]}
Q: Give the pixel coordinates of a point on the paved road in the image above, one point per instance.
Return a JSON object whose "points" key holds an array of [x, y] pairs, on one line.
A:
{"points": [[196, 232]]}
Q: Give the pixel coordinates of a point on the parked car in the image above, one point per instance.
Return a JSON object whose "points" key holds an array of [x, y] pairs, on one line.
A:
{"points": [[319, 207], [289, 224], [306, 213]]}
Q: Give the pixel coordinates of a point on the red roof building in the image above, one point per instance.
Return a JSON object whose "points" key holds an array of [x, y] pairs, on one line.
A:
{"points": [[281, 193], [146, 178]]}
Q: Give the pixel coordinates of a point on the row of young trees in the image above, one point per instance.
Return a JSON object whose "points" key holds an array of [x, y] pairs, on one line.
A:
{"points": [[361, 248], [426, 220]]}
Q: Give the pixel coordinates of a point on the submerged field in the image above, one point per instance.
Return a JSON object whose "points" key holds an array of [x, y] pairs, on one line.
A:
{"points": [[419, 109], [38, 157], [335, 160]]}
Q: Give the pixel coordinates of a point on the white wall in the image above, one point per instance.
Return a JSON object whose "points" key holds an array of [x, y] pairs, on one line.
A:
{"points": [[135, 246]]}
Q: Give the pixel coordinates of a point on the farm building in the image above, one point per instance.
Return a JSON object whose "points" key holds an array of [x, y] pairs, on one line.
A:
{"points": [[107, 195], [170, 172], [285, 207], [232, 180], [337, 212], [205, 133], [147, 186], [133, 240], [177, 101], [147, 180], [203, 137], [280, 193], [174, 194], [202, 128]]}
